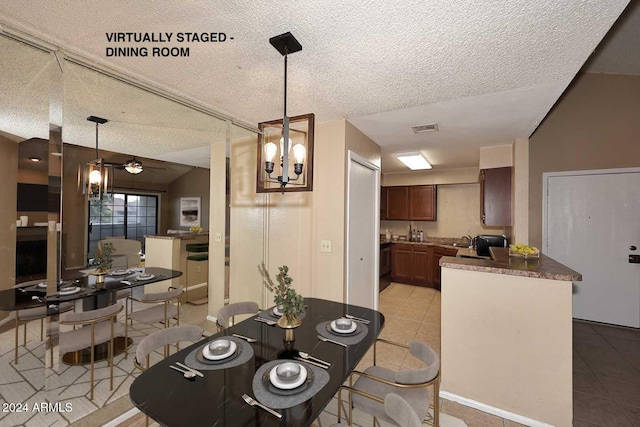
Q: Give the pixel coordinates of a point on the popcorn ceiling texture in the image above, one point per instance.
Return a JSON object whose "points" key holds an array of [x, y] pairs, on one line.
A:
{"points": [[358, 58]]}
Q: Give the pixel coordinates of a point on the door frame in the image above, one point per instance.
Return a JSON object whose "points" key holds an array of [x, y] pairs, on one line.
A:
{"points": [[545, 189], [355, 157]]}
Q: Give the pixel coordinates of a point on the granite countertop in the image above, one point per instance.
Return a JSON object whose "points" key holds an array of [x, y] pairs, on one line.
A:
{"points": [[427, 243], [501, 263], [177, 236]]}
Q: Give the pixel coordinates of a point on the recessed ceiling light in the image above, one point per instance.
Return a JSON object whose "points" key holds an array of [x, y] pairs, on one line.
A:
{"points": [[433, 127], [35, 159], [414, 160]]}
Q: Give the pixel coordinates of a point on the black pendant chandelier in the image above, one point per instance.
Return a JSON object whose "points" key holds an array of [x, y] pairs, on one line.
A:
{"points": [[284, 136], [96, 179]]}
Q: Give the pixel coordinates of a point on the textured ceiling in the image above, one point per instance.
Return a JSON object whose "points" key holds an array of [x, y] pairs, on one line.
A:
{"points": [[487, 71]]}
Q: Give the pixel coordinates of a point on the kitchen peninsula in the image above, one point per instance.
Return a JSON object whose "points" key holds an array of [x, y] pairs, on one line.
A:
{"points": [[507, 336], [170, 251]]}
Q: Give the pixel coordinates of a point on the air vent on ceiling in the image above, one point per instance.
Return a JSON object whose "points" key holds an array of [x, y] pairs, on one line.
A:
{"points": [[425, 128]]}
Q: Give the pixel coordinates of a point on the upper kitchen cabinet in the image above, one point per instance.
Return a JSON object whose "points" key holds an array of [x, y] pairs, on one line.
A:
{"points": [[383, 203], [417, 202], [495, 196], [422, 203], [397, 202]]}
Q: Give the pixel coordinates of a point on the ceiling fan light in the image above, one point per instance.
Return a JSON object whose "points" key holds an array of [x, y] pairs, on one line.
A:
{"points": [[133, 166], [414, 160]]}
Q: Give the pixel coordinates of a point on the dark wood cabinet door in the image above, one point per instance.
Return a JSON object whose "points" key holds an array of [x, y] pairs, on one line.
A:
{"points": [[402, 264], [495, 196], [397, 202], [383, 203], [422, 202], [385, 261], [436, 269], [421, 267]]}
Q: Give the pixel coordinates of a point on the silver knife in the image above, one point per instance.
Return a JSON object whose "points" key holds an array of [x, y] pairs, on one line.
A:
{"points": [[321, 338], [311, 362], [357, 319], [198, 373]]}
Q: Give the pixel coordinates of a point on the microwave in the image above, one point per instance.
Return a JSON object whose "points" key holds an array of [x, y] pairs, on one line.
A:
{"points": [[483, 242]]}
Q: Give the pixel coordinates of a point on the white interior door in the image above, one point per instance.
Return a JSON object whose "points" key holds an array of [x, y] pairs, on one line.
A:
{"points": [[592, 221], [363, 232]]}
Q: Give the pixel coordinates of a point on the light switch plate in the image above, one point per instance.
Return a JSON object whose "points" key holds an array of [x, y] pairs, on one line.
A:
{"points": [[325, 245], [218, 237]]}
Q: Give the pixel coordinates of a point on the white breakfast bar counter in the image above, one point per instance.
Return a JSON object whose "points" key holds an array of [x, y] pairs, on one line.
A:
{"points": [[507, 336]]}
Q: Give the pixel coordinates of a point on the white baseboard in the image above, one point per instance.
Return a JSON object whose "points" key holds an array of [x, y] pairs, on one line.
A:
{"points": [[199, 285], [493, 410], [122, 418]]}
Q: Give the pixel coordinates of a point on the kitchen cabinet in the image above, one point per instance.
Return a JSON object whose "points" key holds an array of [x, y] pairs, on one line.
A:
{"points": [[383, 203], [397, 202], [435, 264], [385, 260], [416, 202], [422, 203], [495, 196], [410, 264]]}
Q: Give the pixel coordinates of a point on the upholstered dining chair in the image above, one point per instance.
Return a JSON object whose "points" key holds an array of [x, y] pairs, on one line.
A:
{"points": [[162, 309], [411, 384], [163, 338], [100, 327], [396, 408], [37, 313], [229, 311]]}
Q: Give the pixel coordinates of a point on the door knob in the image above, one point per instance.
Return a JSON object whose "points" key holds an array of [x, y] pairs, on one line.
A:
{"points": [[632, 248]]}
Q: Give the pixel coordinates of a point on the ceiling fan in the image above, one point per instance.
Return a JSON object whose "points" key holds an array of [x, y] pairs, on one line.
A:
{"points": [[134, 166]]}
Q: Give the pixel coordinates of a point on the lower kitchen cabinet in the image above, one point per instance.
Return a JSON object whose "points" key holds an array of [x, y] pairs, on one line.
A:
{"points": [[410, 264], [417, 264]]}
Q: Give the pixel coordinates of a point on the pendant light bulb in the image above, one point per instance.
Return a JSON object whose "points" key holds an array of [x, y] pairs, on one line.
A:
{"points": [[282, 146], [270, 150], [95, 177], [299, 152]]}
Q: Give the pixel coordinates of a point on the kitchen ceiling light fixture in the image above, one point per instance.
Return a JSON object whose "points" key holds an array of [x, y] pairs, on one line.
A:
{"points": [[414, 160], [133, 166], [95, 177], [35, 159], [281, 136]]}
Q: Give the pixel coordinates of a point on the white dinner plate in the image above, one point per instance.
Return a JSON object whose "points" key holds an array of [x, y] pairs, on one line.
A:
{"points": [[120, 272], [145, 276], [335, 329], [273, 377], [71, 291], [42, 285], [276, 312], [207, 354]]}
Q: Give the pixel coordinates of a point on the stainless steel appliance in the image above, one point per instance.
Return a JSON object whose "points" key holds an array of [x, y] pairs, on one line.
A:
{"points": [[484, 241]]}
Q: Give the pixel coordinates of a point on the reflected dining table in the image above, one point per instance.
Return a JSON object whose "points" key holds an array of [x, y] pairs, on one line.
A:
{"points": [[92, 296], [216, 398]]}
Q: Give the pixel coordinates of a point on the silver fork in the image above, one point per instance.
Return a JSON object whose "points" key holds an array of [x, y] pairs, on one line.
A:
{"points": [[250, 340], [252, 402]]}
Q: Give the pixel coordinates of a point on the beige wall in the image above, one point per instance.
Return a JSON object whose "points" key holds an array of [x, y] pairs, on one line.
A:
{"points": [[594, 126], [499, 156], [194, 183], [506, 343], [446, 176], [217, 220], [287, 229], [8, 214], [520, 191]]}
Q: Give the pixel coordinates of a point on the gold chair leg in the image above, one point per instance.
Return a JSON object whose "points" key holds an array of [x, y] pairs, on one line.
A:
{"points": [[111, 356], [24, 337], [41, 329], [92, 351], [436, 402]]}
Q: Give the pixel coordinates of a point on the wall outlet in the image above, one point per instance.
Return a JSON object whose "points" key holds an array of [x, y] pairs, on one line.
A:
{"points": [[218, 237], [198, 269], [325, 245]]}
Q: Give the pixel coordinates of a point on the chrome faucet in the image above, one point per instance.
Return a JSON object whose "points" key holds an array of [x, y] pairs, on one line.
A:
{"points": [[468, 237]]}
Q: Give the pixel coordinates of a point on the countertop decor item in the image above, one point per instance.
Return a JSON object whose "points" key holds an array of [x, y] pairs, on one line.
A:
{"points": [[290, 302], [195, 229]]}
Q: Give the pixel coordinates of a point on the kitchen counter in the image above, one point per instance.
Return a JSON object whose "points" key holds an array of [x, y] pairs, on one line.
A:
{"points": [[427, 243], [502, 263], [177, 236]]}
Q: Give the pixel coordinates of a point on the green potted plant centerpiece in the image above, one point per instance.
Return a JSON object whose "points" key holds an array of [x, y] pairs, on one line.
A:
{"points": [[288, 301], [102, 260]]}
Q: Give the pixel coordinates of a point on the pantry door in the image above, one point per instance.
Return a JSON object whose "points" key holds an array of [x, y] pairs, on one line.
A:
{"points": [[592, 225]]}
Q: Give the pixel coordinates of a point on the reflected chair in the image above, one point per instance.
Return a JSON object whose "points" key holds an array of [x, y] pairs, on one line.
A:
{"points": [[37, 313], [229, 311], [411, 384], [196, 252], [162, 310], [100, 326]]}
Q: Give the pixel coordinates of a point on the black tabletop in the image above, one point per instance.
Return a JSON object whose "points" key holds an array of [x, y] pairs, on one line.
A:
{"points": [[216, 399], [21, 298]]}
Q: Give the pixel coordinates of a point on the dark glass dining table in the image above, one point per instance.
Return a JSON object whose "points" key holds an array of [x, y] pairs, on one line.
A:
{"points": [[216, 400]]}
